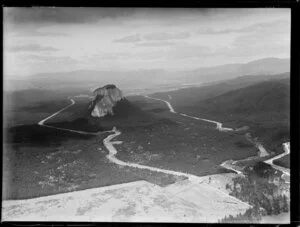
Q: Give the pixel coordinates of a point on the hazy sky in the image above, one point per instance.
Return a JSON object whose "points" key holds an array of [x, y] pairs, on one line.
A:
{"points": [[66, 39]]}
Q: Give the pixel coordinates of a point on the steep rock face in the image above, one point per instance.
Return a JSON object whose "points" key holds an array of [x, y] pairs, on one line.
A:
{"points": [[105, 99]]}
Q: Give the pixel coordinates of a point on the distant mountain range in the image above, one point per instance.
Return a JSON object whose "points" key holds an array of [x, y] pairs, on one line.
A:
{"points": [[213, 89], [266, 66], [264, 97], [156, 79]]}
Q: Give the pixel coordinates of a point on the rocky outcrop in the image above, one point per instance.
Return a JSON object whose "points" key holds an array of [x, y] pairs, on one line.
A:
{"points": [[105, 99]]}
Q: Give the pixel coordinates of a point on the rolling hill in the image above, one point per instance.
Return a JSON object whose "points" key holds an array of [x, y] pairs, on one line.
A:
{"points": [[268, 96], [265, 66], [263, 106], [190, 96]]}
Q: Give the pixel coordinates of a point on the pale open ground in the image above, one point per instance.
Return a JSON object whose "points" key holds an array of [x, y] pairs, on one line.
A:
{"points": [[138, 201]]}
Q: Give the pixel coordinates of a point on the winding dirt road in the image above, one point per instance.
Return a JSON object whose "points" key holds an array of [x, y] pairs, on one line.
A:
{"points": [[219, 127], [34, 209], [113, 152], [286, 148], [218, 124], [42, 122], [168, 104], [192, 178]]}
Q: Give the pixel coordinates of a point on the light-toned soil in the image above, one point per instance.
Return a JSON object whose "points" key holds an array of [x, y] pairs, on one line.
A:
{"points": [[138, 201]]}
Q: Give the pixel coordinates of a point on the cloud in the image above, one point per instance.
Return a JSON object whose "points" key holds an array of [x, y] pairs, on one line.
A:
{"points": [[190, 51], [158, 36], [34, 33], [274, 26], [30, 30], [166, 36], [178, 51], [156, 44], [175, 51], [111, 56], [31, 48], [277, 32], [43, 58], [210, 31], [129, 39], [269, 39], [173, 17], [63, 15]]}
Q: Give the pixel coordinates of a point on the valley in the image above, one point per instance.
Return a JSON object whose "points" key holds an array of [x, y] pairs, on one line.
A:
{"points": [[164, 148], [106, 143]]}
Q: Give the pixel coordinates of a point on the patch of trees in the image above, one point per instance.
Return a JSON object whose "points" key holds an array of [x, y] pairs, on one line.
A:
{"points": [[259, 191], [281, 135], [252, 215], [260, 170], [242, 144], [284, 161]]}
